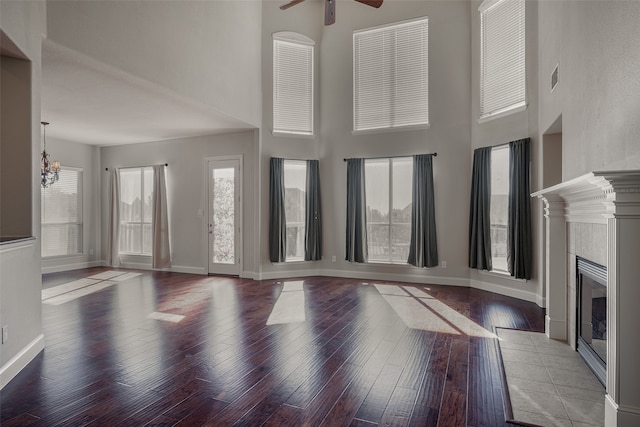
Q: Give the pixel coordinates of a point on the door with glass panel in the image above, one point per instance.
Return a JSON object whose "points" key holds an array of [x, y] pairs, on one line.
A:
{"points": [[224, 216]]}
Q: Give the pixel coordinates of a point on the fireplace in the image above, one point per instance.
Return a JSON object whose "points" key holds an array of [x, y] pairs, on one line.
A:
{"points": [[596, 216], [591, 316]]}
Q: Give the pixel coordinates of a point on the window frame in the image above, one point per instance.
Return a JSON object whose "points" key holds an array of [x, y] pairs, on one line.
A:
{"points": [[393, 124], [80, 210], [300, 225], [499, 148], [142, 222], [520, 104], [299, 41], [390, 223]]}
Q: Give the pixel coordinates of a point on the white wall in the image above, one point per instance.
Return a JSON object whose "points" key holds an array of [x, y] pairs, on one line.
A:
{"points": [[449, 135], [208, 51], [86, 157], [20, 280], [505, 129], [186, 186], [596, 45]]}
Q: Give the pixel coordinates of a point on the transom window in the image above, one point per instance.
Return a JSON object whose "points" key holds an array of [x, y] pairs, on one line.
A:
{"points": [[136, 187], [388, 186], [502, 56], [391, 76], [292, 84], [61, 215]]}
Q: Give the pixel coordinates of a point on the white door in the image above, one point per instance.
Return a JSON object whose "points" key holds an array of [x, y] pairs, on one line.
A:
{"points": [[224, 218]]}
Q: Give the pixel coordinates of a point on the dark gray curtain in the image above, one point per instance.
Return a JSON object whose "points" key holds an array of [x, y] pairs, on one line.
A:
{"points": [[479, 212], [356, 212], [423, 250], [313, 221], [277, 220], [519, 243]]}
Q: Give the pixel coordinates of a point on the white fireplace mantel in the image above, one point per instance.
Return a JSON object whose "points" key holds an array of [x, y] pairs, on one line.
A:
{"points": [[611, 198]]}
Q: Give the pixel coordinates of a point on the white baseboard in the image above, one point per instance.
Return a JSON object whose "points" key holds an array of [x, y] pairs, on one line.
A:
{"points": [[289, 274], [504, 290], [395, 277], [620, 415], [187, 269], [70, 266], [555, 329], [249, 275], [20, 360]]}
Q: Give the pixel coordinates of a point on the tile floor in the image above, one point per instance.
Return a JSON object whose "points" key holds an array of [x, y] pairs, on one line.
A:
{"points": [[549, 384]]}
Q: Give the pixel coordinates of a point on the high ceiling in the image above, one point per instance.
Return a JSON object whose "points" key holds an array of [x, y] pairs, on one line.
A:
{"points": [[89, 102]]}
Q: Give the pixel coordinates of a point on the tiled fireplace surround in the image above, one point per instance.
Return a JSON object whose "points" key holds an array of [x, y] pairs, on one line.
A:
{"points": [[597, 216]]}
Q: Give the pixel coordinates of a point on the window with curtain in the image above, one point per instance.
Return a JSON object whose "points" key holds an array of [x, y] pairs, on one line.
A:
{"points": [[502, 57], [61, 215], [499, 207], [292, 84], [388, 184], [391, 76], [136, 191], [295, 176]]}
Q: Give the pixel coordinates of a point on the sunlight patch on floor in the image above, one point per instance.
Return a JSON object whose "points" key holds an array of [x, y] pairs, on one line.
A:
{"points": [[290, 306], [419, 310], [167, 317], [70, 291]]}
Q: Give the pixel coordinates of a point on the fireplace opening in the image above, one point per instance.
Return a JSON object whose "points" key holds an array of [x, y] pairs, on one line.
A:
{"points": [[591, 318]]}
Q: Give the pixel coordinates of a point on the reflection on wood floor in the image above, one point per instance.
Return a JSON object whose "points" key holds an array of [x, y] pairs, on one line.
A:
{"points": [[162, 348]]}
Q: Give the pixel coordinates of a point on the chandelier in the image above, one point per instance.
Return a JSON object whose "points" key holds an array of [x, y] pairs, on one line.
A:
{"points": [[49, 170]]}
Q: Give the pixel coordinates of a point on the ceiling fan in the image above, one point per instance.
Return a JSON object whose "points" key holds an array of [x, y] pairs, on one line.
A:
{"points": [[330, 8]]}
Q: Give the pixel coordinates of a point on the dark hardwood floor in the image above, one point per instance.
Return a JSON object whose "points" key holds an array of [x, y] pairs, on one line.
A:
{"points": [[353, 361]]}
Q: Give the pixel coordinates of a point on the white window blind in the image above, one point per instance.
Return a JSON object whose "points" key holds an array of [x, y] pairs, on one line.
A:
{"points": [[503, 83], [61, 215], [391, 76], [292, 84]]}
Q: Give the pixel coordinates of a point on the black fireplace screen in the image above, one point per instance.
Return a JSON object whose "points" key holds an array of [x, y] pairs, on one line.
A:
{"points": [[592, 316]]}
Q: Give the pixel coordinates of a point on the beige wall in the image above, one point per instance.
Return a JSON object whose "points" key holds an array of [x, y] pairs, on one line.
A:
{"points": [[595, 44], [20, 280], [449, 134], [186, 186]]}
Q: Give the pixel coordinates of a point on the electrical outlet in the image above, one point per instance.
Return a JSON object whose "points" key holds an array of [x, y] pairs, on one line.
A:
{"points": [[444, 264], [333, 258], [5, 334]]}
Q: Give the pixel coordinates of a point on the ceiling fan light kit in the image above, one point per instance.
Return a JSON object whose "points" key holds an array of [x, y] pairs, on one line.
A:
{"points": [[330, 8]]}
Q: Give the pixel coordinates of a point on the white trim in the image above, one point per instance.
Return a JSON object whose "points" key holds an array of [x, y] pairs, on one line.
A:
{"points": [[21, 360], [187, 269], [270, 275], [512, 109], [394, 24], [16, 245], [301, 135], [504, 290], [71, 266], [391, 129], [292, 37]]}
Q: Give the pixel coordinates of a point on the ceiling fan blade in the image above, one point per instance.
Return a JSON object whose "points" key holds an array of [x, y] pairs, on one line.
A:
{"points": [[291, 3], [372, 3], [329, 12]]}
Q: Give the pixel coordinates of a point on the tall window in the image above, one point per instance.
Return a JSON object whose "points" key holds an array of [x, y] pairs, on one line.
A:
{"points": [[295, 178], [292, 84], [499, 207], [388, 184], [61, 215], [391, 76], [136, 186], [502, 56]]}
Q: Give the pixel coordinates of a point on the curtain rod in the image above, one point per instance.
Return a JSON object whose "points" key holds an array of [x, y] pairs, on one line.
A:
{"points": [[144, 166], [392, 157]]}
